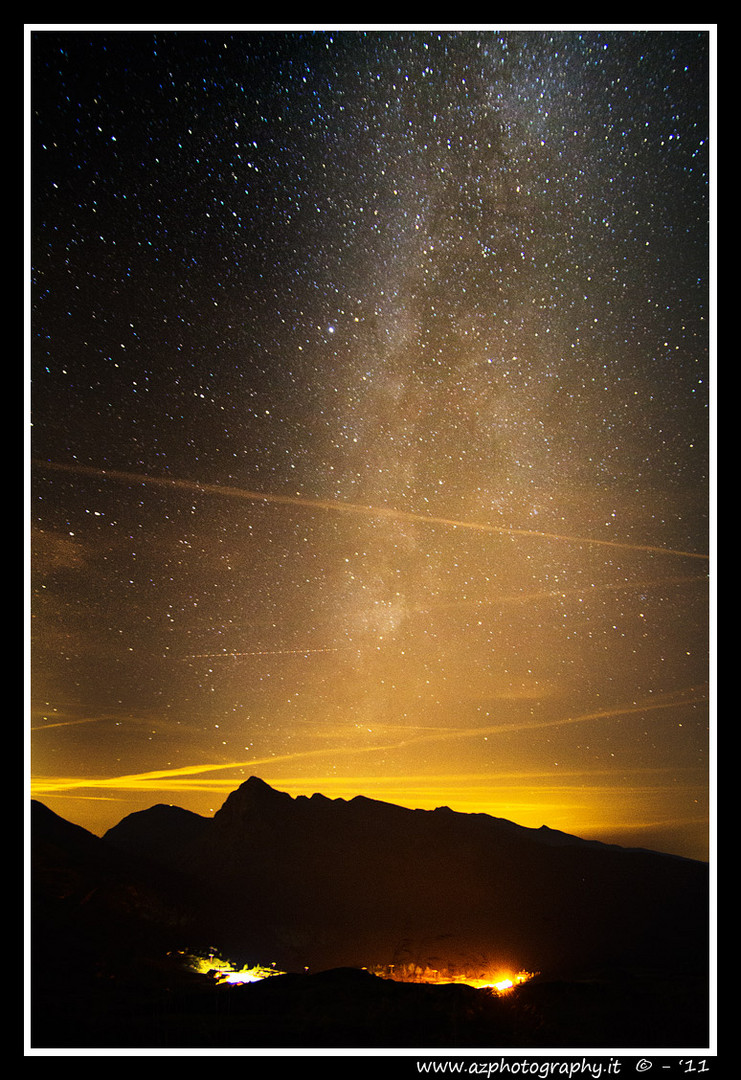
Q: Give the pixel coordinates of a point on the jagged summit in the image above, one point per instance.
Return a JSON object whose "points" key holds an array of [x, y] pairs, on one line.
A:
{"points": [[252, 797], [254, 788], [258, 785]]}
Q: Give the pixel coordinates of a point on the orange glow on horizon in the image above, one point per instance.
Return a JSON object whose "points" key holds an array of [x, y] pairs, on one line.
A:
{"points": [[591, 804], [646, 805], [499, 980], [224, 971]]}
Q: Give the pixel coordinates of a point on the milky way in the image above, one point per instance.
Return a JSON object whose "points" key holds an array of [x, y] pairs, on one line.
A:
{"points": [[370, 404]]}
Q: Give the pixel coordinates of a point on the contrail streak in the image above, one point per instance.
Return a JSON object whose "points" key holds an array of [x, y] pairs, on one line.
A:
{"points": [[262, 652], [537, 595], [69, 723], [227, 491]]}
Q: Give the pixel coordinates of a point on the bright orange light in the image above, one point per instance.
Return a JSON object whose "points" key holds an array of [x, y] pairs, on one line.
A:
{"points": [[501, 982]]}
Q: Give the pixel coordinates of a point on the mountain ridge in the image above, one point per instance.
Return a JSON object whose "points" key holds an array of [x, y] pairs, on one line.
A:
{"points": [[310, 881], [311, 884], [259, 789]]}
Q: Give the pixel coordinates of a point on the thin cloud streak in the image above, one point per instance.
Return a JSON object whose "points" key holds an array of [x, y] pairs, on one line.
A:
{"points": [[227, 491], [536, 596], [70, 723]]}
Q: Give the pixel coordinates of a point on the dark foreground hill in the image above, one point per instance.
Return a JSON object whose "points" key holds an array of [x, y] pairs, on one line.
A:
{"points": [[322, 888]]}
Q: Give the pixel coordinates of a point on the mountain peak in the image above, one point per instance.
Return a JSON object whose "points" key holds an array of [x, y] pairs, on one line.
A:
{"points": [[255, 788], [251, 798], [163, 832], [258, 784]]}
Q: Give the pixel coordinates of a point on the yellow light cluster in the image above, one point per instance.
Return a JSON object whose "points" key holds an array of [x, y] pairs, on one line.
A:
{"points": [[225, 971]]}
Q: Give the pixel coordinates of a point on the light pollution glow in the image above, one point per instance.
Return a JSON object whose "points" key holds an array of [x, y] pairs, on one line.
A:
{"points": [[583, 801], [588, 802]]}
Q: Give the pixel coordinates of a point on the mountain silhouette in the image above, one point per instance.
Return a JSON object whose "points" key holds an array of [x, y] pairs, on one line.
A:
{"points": [[317, 882], [322, 888], [96, 907]]}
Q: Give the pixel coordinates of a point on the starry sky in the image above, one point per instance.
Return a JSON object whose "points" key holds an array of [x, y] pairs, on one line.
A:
{"points": [[370, 421]]}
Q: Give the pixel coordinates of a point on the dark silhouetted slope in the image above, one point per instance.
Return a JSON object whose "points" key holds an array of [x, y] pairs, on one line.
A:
{"points": [[163, 834], [329, 886], [95, 909], [324, 882]]}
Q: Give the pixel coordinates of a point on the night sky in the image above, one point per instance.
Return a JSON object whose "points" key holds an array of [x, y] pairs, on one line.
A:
{"points": [[370, 422]]}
